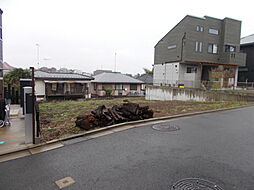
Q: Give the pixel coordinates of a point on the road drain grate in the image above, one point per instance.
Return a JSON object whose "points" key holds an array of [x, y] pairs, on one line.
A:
{"points": [[195, 184], [165, 127]]}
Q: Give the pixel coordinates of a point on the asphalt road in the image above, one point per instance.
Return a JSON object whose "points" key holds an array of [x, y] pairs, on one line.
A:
{"points": [[218, 147]]}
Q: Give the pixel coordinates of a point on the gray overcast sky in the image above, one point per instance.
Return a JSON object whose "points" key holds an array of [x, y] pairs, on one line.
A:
{"points": [[85, 34]]}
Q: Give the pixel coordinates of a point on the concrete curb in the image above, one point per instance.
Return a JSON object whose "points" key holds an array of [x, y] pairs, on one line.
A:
{"points": [[108, 128]]}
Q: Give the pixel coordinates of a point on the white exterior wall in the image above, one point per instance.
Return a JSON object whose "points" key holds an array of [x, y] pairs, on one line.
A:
{"points": [[160, 93], [176, 73], [190, 80], [40, 89], [165, 74]]}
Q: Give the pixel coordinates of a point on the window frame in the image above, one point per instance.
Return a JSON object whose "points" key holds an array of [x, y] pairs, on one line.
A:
{"points": [[199, 28], [214, 47], [116, 85], [172, 46], [189, 69], [213, 31], [228, 48], [199, 47], [136, 85]]}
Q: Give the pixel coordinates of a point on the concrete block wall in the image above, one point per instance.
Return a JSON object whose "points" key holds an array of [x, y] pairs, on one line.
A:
{"points": [[167, 93]]}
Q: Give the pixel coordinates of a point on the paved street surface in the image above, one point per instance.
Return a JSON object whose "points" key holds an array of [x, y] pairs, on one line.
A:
{"points": [[218, 147]]}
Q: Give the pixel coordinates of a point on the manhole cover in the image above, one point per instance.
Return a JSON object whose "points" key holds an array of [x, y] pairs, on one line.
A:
{"points": [[165, 127], [195, 184]]}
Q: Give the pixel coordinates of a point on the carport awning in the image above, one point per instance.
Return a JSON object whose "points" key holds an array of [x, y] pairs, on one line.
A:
{"points": [[66, 81]]}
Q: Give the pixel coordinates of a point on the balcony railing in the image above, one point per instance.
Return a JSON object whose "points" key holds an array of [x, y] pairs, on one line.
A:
{"points": [[234, 58]]}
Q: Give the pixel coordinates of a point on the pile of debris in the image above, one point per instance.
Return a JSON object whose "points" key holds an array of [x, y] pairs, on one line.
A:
{"points": [[103, 116]]}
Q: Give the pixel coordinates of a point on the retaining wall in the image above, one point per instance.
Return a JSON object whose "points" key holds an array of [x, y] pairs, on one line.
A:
{"points": [[168, 93]]}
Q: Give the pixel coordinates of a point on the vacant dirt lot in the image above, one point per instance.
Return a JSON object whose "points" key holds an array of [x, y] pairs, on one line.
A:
{"points": [[58, 118]]}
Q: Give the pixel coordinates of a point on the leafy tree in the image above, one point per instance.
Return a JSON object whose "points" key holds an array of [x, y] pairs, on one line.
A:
{"points": [[147, 71], [108, 91], [13, 77]]}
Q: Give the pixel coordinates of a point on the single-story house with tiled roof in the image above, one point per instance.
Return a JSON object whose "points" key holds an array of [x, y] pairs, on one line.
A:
{"points": [[120, 84], [147, 79], [61, 85]]}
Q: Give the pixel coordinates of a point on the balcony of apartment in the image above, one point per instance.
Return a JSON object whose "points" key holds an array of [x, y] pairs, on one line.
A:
{"points": [[237, 58]]}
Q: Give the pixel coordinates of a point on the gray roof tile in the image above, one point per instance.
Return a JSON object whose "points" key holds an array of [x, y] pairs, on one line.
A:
{"points": [[146, 78], [42, 74], [114, 78], [247, 40]]}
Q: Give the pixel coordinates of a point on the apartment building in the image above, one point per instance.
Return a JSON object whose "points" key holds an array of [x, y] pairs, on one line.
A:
{"points": [[196, 49]]}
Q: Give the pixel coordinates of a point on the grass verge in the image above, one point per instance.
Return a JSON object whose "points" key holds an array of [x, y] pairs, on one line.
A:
{"points": [[58, 117]]}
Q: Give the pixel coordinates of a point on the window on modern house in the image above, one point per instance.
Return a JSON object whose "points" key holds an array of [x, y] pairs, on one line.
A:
{"points": [[212, 48], [230, 48], [119, 87], [198, 46], [133, 87], [200, 28], [213, 31], [189, 69], [172, 46]]}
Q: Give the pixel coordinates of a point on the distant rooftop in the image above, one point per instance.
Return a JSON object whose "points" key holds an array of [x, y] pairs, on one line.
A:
{"points": [[146, 78], [97, 72], [46, 75], [247, 39], [114, 78], [6, 66]]}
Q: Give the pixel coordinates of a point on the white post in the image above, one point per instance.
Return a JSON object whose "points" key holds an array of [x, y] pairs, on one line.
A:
{"points": [[236, 77], [28, 115]]}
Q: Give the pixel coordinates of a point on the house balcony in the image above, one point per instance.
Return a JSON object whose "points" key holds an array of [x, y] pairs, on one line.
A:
{"points": [[234, 58]]}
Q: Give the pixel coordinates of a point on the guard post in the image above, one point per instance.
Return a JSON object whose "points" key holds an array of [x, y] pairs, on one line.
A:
{"points": [[28, 112]]}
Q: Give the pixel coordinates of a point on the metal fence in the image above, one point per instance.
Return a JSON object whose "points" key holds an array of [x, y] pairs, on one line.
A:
{"points": [[246, 85]]}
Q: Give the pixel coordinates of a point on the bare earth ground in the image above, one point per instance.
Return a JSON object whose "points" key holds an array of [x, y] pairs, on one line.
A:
{"points": [[58, 117]]}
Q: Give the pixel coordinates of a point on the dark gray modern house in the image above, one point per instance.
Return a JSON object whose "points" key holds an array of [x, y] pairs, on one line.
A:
{"points": [[189, 53], [246, 73], [1, 56]]}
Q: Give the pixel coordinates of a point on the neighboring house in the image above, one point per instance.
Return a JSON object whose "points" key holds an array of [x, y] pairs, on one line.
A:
{"points": [[1, 56], [63, 70], [147, 79], [61, 85], [120, 84], [49, 70], [246, 73], [7, 68], [196, 47], [97, 72]]}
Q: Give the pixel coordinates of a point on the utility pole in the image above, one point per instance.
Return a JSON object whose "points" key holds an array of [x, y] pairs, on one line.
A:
{"points": [[38, 55], [115, 62]]}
